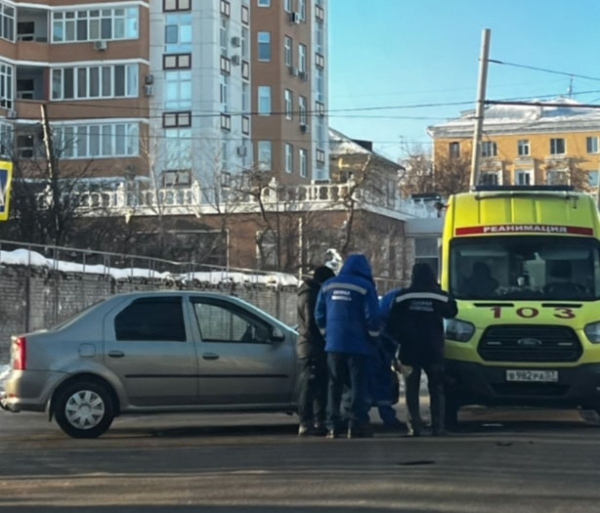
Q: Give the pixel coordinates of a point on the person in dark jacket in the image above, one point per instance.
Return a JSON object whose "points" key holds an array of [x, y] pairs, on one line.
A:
{"points": [[417, 324], [347, 313], [312, 398]]}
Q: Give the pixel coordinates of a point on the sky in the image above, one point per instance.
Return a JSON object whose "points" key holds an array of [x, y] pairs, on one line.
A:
{"points": [[385, 53]]}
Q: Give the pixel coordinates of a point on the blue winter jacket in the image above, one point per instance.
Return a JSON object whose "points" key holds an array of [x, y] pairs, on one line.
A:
{"points": [[347, 310]]}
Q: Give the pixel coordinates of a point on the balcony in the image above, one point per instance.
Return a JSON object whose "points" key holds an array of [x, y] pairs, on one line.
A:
{"points": [[32, 35]]}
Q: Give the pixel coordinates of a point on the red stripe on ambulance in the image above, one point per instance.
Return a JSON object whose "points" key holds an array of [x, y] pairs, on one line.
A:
{"points": [[524, 228]]}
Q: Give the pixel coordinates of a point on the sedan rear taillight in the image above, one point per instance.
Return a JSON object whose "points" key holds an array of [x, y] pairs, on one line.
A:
{"points": [[19, 353]]}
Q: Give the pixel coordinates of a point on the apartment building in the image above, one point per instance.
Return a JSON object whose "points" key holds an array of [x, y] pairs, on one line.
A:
{"points": [[289, 89], [86, 62], [528, 145]]}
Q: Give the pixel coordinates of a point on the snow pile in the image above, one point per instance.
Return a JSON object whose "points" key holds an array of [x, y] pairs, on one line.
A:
{"points": [[217, 277], [4, 370]]}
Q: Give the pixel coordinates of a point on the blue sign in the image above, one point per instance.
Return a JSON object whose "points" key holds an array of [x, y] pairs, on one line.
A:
{"points": [[5, 182]]}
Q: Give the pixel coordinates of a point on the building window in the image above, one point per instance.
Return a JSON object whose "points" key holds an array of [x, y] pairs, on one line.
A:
{"points": [[245, 125], [454, 150], [557, 177], [524, 177], [245, 70], [224, 156], [178, 149], [427, 252], [593, 178], [320, 39], [245, 98], [177, 178], [245, 15], [264, 100], [303, 164], [178, 33], [7, 22], [177, 5], [178, 90], [224, 93], [6, 86], [289, 158], [97, 140], [302, 58], [320, 157], [302, 9], [117, 81], [177, 119], [592, 144], [264, 46], [557, 146], [226, 122], [177, 61], [287, 5], [490, 178], [6, 138], [245, 46], [224, 37], [288, 98], [264, 3], [95, 25], [225, 8], [265, 155], [302, 109], [523, 148], [287, 52], [489, 149], [320, 95]]}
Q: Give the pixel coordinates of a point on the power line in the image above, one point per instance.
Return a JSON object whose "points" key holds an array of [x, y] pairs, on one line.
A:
{"points": [[544, 70], [544, 104]]}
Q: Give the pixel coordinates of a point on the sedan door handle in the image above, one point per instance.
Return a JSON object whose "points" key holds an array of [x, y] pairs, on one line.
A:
{"points": [[210, 356], [116, 354]]}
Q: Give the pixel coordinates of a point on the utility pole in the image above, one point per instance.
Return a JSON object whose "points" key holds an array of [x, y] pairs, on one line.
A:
{"points": [[479, 110]]}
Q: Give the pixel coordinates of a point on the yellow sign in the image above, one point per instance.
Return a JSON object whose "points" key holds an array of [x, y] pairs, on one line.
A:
{"points": [[6, 169]]}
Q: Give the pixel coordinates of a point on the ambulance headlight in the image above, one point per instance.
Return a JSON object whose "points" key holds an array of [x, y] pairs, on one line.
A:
{"points": [[459, 331], [592, 332]]}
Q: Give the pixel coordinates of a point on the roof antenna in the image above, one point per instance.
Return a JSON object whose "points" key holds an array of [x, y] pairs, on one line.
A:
{"points": [[570, 90]]}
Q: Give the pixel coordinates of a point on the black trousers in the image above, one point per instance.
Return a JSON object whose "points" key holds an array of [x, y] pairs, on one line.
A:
{"points": [[412, 380], [312, 399]]}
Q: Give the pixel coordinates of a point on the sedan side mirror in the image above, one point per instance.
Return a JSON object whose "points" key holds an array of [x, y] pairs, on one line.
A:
{"points": [[277, 335]]}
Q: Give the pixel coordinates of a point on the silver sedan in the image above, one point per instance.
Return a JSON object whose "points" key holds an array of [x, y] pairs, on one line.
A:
{"points": [[153, 353]]}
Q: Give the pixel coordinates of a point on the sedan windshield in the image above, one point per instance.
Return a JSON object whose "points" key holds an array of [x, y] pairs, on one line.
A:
{"points": [[525, 267]]}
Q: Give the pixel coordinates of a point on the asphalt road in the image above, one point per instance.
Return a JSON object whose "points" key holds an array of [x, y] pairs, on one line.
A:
{"points": [[505, 462]]}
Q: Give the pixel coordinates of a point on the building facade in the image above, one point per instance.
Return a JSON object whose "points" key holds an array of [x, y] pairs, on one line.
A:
{"points": [[528, 145], [170, 91], [289, 89]]}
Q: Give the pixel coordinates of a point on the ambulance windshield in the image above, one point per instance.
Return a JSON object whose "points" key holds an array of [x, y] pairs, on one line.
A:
{"points": [[525, 267]]}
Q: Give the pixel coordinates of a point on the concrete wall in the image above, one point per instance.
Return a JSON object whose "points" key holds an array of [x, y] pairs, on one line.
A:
{"points": [[33, 298]]}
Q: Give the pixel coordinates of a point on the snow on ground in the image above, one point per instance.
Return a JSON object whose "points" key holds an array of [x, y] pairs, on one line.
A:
{"points": [[26, 257]]}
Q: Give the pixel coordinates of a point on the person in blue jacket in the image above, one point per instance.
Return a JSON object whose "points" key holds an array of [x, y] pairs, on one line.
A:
{"points": [[380, 365], [347, 313]]}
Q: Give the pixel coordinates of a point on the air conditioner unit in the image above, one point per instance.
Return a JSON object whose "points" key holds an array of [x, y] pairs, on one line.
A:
{"points": [[236, 60], [101, 46], [11, 114], [294, 18], [149, 79], [149, 90], [304, 128], [293, 71], [236, 41], [242, 151], [303, 75]]}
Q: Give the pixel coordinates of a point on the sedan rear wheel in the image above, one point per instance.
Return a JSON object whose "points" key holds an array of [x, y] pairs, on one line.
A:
{"points": [[84, 409]]}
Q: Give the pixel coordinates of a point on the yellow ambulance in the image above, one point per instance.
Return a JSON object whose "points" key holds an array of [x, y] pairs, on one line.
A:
{"points": [[524, 266]]}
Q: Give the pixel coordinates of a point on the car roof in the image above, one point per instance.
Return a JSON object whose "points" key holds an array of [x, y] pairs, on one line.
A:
{"points": [[159, 293]]}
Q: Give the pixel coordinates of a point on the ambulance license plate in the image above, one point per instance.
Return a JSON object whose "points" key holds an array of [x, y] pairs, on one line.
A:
{"points": [[532, 376]]}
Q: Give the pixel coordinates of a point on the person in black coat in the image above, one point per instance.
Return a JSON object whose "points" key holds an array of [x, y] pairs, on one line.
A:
{"points": [[417, 324], [312, 400]]}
